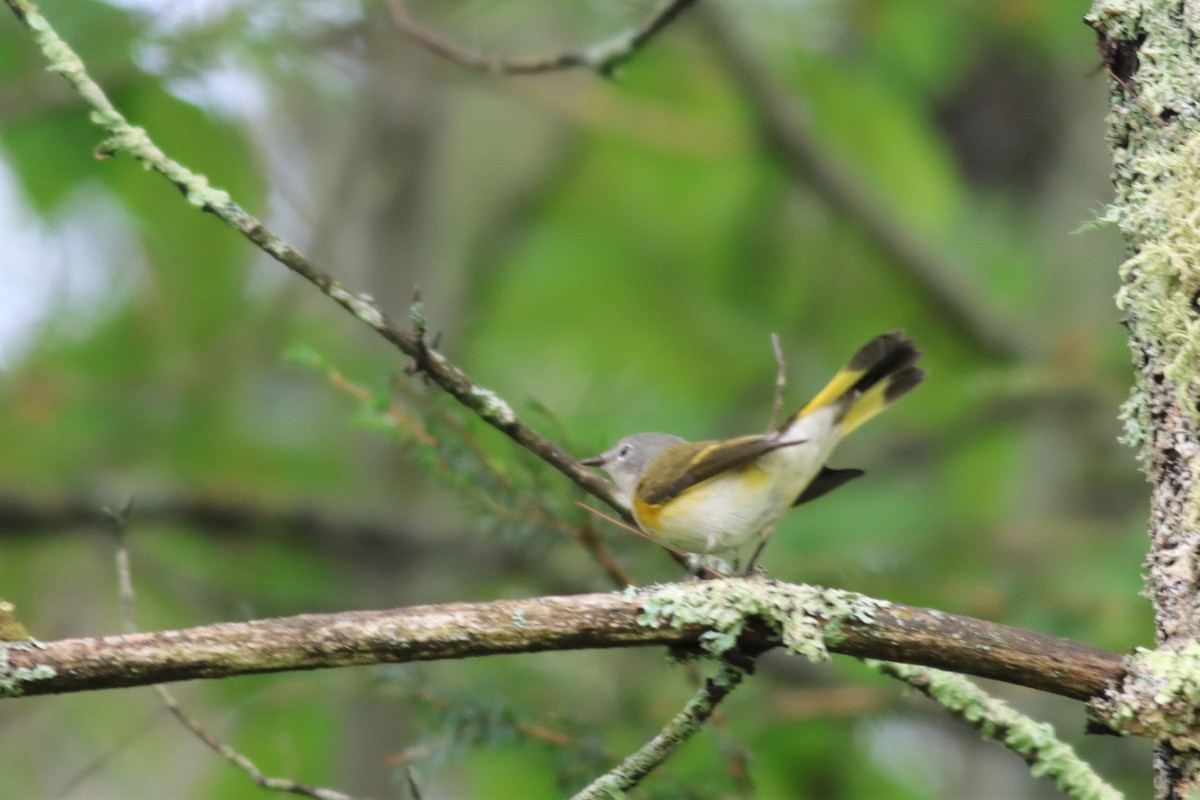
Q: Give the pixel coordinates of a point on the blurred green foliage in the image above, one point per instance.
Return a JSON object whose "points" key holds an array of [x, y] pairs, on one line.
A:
{"points": [[609, 256]]}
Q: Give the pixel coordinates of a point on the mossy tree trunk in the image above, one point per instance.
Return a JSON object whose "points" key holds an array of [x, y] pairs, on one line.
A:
{"points": [[1149, 50]]}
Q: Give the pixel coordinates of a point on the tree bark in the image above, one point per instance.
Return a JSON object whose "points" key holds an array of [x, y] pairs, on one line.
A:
{"points": [[891, 631], [1148, 49]]}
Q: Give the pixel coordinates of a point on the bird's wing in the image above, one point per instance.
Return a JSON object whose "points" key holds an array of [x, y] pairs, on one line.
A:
{"points": [[686, 465]]}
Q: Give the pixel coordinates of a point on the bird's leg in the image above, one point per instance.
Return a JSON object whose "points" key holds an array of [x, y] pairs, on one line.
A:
{"points": [[764, 537], [702, 566]]}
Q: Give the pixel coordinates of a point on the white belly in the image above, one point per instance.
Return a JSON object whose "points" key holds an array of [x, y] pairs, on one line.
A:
{"points": [[727, 511]]}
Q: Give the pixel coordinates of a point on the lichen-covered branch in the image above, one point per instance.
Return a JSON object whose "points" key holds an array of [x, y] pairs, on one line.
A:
{"points": [[1047, 755], [1151, 52], [683, 726], [754, 614], [1159, 697], [603, 57], [136, 142]]}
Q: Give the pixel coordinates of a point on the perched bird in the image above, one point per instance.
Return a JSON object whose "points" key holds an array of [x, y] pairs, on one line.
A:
{"points": [[713, 497]]}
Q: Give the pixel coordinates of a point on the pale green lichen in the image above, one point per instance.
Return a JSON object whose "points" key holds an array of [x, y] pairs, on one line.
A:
{"points": [[678, 730], [122, 137], [1166, 73], [1047, 755], [803, 617], [1159, 697], [1161, 285], [360, 305], [13, 680], [493, 407], [1157, 178], [416, 316]]}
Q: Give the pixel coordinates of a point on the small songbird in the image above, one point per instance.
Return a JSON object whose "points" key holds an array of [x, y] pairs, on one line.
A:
{"points": [[713, 497]]}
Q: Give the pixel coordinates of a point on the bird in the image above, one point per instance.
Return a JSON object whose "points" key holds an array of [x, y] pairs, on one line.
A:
{"points": [[712, 497]]}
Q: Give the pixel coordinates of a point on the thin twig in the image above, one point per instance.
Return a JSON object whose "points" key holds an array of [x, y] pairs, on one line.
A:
{"points": [[126, 138], [680, 558], [247, 766], [603, 57], [682, 727], [117, 518], [780, 381], [1035, 742], [737, 757], [125, 583]]}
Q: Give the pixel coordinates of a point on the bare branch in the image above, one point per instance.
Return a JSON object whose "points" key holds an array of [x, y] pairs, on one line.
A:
{"points": [[603, 57], [780, 380], [894, 632], [117, 519], [241, 762]]}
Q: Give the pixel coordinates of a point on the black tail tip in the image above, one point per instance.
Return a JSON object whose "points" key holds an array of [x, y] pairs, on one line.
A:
{"points": [[892, 347], [903, 382], [890, 356]]}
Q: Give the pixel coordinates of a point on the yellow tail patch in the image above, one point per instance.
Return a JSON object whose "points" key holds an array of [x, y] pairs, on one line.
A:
{"points": [[881, 371], [871, 403], [833, 391]]}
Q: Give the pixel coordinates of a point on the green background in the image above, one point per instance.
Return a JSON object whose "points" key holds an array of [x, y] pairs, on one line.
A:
{"points": [[609, 255]]}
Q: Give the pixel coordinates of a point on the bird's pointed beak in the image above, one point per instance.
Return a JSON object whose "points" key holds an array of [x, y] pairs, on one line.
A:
{"points": [[593, 461]]}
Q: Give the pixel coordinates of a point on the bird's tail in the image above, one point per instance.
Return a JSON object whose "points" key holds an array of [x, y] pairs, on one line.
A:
{"points": [[883, 370]]}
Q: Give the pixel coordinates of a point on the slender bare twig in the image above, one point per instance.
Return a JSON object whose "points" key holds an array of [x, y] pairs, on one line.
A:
{"points": [[780, 381], [785, 130], [678, 730], [286, 785], [603, 57], [117, 519], [890, 631], [680, 558]]}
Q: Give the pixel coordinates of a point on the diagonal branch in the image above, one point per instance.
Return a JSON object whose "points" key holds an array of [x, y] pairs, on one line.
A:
{"points": [[127, 138], [604, 57], [888, 631], [117, 519], [1047, 755], [678, 730]]}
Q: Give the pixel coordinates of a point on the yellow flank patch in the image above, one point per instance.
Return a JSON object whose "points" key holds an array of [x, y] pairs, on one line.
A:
{"points": [[837, 387], [647, 515], [749, 481]]}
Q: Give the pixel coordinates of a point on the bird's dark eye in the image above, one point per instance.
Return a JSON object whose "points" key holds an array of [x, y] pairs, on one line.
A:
{"points": [[624, 451]]}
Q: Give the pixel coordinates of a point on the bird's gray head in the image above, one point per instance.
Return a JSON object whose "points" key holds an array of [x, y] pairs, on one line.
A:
{"points": [[626, 460]]}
